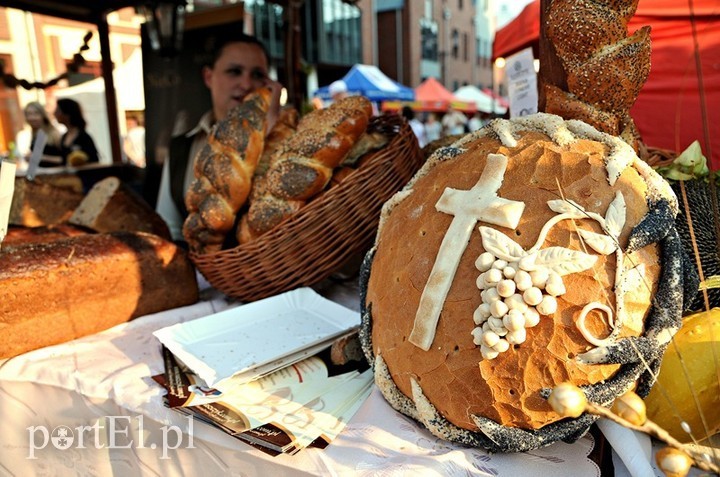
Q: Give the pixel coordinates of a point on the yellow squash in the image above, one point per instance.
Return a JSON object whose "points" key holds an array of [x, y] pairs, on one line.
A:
{"points": [[689, 380]]}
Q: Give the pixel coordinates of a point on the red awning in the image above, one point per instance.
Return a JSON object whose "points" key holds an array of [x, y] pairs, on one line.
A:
{"points": [[669, 110], [520, 33]]}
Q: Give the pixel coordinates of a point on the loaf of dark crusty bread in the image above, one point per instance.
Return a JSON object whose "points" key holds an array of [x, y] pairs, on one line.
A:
{"points": [[224, 170], [41, 202], [112, 206], [19, 235], [62, 290]]}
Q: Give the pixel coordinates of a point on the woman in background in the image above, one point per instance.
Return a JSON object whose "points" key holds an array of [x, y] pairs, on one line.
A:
{"points": [[77, 146], [417, 126], [39, 120], [433, 128]]}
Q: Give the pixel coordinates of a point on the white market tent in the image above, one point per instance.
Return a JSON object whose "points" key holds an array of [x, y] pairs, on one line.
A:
{"points": [[128, 79], [483, 101]]}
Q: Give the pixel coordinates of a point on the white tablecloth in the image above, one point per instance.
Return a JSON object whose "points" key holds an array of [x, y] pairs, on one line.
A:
{"points": [[103, 380]]}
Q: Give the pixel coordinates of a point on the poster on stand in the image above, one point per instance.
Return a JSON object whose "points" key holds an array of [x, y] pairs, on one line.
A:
{"points": [[522, 83]]}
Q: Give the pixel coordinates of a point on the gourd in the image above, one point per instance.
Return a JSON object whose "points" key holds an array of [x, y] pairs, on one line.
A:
{"points": [[688, 385]]}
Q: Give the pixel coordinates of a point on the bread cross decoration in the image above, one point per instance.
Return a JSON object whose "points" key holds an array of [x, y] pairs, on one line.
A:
{"points": [[480, 203]]}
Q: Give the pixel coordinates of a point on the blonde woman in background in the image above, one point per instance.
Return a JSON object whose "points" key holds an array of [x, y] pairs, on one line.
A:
{"points": [[38, 119]]}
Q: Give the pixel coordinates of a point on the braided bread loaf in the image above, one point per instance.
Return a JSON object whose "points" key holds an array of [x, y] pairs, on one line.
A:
{"points": [[323, 139], [274, 145], [223, 173], [605, 69], [284, 127], [305, 165]]}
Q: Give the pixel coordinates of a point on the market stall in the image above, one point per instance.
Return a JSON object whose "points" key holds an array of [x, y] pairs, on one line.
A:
{"points": [[490, 310], [683, 84], [483, 101], [371, 82], [432, 96]]}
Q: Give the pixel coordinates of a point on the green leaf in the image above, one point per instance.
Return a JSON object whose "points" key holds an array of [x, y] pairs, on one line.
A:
{"points": [[690, 164]]}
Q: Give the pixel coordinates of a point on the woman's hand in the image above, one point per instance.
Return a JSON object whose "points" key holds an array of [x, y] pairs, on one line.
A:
{"points": [[77, 158], [274, 109]]}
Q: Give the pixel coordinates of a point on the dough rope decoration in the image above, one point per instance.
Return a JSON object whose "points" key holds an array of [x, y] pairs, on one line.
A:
{"points": [[519, 285]]}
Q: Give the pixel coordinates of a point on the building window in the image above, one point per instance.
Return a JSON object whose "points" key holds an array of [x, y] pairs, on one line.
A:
{"points": [[429, 39], [455, 43], [4, 25], [331, 30], [460, 5], [465, 47], [11, 113], [268, 26], [338, 37]]}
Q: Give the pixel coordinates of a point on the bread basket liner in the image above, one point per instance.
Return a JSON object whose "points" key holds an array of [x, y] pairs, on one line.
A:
{"points": [[315, 242], [677, 285]]}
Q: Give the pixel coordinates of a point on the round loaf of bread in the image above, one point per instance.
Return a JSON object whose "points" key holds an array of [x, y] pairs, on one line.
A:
{"points": [[520, 257]]}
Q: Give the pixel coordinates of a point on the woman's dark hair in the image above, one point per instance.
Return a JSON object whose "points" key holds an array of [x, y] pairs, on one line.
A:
{"points": [[408, 113], [73, 111], [218, 43]]}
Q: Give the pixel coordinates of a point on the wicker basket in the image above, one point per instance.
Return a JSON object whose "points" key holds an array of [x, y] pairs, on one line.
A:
{"points": [[324, 234]]}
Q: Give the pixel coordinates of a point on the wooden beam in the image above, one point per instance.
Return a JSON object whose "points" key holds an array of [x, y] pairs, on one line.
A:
{"points": [[110, 97], [293, 52], [215, 16]]}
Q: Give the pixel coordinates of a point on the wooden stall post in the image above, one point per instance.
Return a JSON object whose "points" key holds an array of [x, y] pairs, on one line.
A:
{"points": [[293, 53], [110, 97]]}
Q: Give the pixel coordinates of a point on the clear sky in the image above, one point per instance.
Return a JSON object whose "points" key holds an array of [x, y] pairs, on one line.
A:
{"points": [[509, 9]]}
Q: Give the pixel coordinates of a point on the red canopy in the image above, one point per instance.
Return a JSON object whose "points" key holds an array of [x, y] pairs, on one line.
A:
{"points": [[670, 108], [522, 32]]}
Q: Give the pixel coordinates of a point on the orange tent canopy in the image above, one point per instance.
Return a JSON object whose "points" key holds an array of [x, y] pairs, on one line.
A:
{"points": [[431, 96], [432, 90]]}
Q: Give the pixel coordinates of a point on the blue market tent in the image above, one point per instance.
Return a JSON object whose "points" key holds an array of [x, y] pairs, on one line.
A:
{"points": [[372, 83]]}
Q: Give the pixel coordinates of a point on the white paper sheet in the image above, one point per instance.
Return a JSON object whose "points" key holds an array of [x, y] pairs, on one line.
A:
{"points": [[36, 154], [7, 188], [243, 340]]}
